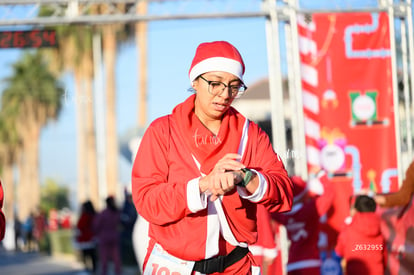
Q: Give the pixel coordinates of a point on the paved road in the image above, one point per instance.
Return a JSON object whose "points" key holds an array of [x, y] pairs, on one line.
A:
{"points": [[32, 263]]}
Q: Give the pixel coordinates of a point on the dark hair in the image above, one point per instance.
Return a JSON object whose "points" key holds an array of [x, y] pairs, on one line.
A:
{"points": [[364, 203], [191, 88], [88, 207], [110, 203]]}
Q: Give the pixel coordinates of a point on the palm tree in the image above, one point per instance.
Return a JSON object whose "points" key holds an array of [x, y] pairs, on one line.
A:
{"points": [[111, 34], [110, 49], [87, 72], [10, 147], [74, 54], [35, 96], [141, 41]]}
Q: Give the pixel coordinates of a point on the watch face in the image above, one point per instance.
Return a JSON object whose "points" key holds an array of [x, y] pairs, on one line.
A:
{"points": [[247, 177]]}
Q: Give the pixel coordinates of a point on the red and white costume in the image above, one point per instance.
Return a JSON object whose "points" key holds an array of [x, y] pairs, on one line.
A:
{"points": [[174, 153], [302, 226], [265, 248], [362, 245]]}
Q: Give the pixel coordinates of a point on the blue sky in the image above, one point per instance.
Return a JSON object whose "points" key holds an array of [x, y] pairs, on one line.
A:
{"points": [[171, 46]]}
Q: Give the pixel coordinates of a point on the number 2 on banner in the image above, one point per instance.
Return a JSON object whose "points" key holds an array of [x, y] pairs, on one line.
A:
{"points": [[162, 271]]}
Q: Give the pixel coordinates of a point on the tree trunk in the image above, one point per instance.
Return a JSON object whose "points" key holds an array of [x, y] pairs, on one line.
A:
{"points": [[141, 41], [80, 104], [90, 133], [33, 161], [22, 204], [110, 48], [9, 190], [29, 188]]}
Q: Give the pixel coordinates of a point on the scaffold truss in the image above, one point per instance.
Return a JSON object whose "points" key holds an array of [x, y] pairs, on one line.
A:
{"points": [[25, 12], [18, 14]]}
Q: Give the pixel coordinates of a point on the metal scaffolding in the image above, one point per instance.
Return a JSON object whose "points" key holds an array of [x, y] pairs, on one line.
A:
{"points": [[24, 13], [117, 11]]}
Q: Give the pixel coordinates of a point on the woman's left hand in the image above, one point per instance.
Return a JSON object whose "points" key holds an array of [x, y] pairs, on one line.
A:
{"points": [[223, 177]]}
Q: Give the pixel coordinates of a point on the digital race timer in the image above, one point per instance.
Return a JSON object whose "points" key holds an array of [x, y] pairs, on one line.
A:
{"points": [[28, 39]]}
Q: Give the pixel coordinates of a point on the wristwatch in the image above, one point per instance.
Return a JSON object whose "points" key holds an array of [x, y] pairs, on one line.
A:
{"points": [[247, 177]]}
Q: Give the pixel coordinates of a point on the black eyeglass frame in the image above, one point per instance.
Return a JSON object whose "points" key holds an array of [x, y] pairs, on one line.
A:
{"points": [[238, 94]]}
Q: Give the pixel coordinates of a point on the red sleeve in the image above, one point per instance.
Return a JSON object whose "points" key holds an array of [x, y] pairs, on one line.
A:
{"points": [[266, 236], [385, 253], [324, 201], [278, 196], [279, 218], [158, 201], [340, 245], [2, 218]]}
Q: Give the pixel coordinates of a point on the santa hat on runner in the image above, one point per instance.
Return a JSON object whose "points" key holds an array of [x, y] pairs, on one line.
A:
{"points": [[300, 188], [216, 56]]}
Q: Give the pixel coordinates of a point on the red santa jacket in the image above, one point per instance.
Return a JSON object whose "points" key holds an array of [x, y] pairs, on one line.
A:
{"points": [[2, 218], [166, 192], [362, 245], [266, 244], [302, 226]]}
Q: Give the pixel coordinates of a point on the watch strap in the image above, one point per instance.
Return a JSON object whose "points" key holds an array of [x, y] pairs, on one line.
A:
{"points": [[247, 177]]}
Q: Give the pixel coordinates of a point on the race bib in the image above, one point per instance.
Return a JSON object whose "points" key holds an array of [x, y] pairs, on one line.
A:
{"points": [[162, 263]]}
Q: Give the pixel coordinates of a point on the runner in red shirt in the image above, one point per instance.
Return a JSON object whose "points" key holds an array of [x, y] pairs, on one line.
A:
{"points": [[360, 243]]}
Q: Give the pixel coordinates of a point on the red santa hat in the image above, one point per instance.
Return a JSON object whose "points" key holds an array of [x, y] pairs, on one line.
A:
{"points": [[300, 188], [216, 56]]}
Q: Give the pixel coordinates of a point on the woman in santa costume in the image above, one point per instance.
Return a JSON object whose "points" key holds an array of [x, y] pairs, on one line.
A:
{"points": [[201, 171]]}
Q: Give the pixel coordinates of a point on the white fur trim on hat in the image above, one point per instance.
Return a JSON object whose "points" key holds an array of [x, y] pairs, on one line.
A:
{"points": [[222, 64]]}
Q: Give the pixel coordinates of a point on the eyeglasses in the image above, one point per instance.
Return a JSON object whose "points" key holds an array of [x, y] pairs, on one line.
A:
{"points": [[217, 87]]}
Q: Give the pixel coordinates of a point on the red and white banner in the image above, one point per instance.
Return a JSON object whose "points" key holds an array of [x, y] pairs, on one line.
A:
{"points": [[348, 98], [346, 73]]}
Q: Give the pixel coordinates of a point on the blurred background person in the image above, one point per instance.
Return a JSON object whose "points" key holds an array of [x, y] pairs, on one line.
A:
{"points": [[107, 229], [360, 243], [85, 238], [128, 219], [403, 196], [397, 225], [18, 234], [302, 225], [39, 228], [28, 225]]}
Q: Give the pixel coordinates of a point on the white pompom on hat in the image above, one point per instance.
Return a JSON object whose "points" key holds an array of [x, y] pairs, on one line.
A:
{"points": [[216, 56]]}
